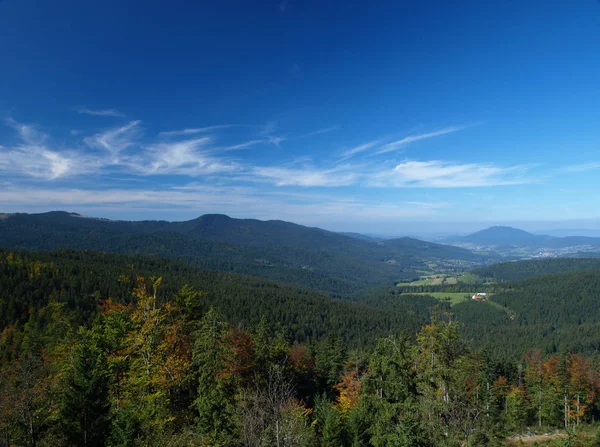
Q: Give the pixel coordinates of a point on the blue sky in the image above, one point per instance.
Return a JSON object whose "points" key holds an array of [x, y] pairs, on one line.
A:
{"points": [[357, 116]]}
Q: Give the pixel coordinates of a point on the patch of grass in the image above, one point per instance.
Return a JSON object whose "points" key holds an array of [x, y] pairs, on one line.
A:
{"points": [[469, 278], [432, 280]]}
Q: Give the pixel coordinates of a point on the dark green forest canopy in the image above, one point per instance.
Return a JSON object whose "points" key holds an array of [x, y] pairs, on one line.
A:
{"points": [[330, 262], [29, 282], [140, 350], [559, 312], [510, 271], [553, 313]]}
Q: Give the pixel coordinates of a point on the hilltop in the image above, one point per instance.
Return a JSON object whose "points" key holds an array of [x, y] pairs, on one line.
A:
{"points": [[501, 235]]}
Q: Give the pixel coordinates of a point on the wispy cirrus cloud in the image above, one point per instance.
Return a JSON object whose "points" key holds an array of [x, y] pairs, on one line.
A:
{"points": [[119, 148], [358, 149], [28, 132], [240, 146], [320, 131], [37, 162], [399, 144], [116, 140], [196, 130], [305, 176], [100, 112], [394, 145], [32, 157], [445, 174], [188, 157], [125, 150]]}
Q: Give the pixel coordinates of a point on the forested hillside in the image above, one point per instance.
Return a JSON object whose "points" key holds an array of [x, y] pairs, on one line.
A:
{"points": [[553, 313], [31, 283], [510, 271], [275, 250], [104, 349]]}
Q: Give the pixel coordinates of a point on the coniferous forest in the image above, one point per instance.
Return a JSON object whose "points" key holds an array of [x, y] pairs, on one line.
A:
{"points": [[104, 349]]}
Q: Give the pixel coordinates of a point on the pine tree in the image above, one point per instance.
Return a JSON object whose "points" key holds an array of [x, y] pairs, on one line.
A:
{"points": [[216, 420], [85, 404]]}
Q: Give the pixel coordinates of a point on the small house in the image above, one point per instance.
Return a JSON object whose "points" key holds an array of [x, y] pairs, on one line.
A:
{"points": [[479, 296]]}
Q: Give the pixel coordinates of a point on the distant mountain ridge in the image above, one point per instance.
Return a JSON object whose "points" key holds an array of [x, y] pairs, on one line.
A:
{"points": [[509, 236], [272, 249], [500, 235]]}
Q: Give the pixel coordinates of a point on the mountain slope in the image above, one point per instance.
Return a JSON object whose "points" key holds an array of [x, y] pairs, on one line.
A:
{"points": [[511, 271], [557, 312], [276, 250], [29, 282], [499, 235], [412, 247]]}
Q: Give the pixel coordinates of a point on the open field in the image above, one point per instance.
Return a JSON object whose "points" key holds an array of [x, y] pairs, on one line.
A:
{"points": [[442, 279], [468, 278], [431, 280]]}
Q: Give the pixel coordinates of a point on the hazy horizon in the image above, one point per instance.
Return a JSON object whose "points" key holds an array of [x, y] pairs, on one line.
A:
{"points": [[383, 229]]}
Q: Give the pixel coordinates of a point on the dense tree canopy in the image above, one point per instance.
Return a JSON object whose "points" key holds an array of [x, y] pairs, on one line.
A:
{"points": [[105, 349]]}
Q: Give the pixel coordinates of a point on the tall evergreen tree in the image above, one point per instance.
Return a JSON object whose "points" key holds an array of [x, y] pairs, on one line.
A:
{"points": [[85, 404], [216, 420]]}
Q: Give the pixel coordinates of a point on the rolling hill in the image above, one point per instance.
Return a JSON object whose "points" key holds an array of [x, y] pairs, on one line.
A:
{"points": [[276, 250], [500, 235]]}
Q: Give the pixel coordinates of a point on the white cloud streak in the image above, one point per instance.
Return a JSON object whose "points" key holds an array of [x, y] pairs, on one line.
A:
{"points": [[33, 158], [36, 161], [444, 174], [399, 144], [104, 112], [116, 140], [240, 146], [183, 158], [194, 131], [320, 131], [358, 149], [306, 177]]}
